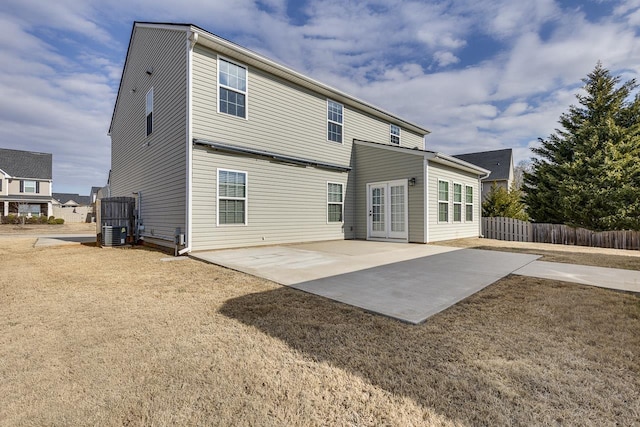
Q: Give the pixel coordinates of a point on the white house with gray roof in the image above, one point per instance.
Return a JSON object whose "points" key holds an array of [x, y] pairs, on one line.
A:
{"points": [[232, 149], [25, 182]]}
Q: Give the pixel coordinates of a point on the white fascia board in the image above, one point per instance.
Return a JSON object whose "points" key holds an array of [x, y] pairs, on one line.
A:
{"points": [[456, 163], [436, 157]]}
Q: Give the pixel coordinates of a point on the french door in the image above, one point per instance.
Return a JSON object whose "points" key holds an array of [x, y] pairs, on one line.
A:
{"points": [[387, 210]]}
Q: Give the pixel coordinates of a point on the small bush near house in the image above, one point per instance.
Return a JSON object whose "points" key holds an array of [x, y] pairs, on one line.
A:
{"points": [[59, 220], [10, 219]]}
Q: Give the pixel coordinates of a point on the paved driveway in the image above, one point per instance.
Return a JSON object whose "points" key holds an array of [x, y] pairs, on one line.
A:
{"points": [[409, 282]]}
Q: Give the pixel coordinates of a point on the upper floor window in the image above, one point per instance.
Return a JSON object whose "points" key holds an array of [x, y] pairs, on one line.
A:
{"points": [[395, 134], [29, 186], [149, 112], [443, 201], [334, 121], [232, 88]]}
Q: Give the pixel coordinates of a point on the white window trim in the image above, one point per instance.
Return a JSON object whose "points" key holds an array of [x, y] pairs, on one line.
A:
{"points": [[468, 204], [147, 112], [335, 203], [391, 134], [245, 198], [245, 92], [461, 202], [24, 186], [326, 113], [448, 201]]}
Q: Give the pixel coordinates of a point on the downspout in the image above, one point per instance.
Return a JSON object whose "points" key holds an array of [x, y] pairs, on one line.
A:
{"points": [[480, 178], [426, 199], [192, 39]]}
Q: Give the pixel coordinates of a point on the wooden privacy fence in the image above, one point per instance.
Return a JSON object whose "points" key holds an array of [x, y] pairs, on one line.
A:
{"points": [[522, 231]]}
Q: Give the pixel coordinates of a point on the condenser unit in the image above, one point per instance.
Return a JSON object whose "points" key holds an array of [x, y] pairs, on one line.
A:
{"points": [[113, 235]]}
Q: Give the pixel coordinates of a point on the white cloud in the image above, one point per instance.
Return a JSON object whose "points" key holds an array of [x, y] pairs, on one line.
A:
{"points": [[445, 58], [60, 64]]}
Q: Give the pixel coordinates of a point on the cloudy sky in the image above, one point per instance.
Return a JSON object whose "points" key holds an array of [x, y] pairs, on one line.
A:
{"points": [[480, 74]]}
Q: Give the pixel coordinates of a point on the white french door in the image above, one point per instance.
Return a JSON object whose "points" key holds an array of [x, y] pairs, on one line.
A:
{"points": [[387, 210]]}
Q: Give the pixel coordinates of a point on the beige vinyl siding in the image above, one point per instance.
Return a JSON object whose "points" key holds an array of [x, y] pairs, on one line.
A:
{"points": [[281, 117], [377, 164], [13, 187], [154, 165], [486, 186], [451, 230], [285, 203]]}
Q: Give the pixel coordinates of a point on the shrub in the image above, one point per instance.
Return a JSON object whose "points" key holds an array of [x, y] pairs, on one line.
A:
{"points": [[59, 220], [11, 219]]}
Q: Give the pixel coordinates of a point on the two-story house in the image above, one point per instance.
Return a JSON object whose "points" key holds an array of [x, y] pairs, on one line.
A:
{"points": [[234, 149], [499, 162], [25, 182]]}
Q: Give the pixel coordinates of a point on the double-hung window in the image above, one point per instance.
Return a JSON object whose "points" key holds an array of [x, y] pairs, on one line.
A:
{"points": [[335, 202], [29, 186], [468, 203], [149, 111], [232, 197], [395, 134], [232, 88], [443, 201], [457, 202], [335, 121]]}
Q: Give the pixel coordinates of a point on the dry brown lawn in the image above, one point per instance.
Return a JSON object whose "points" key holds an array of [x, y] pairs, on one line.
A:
{"points": [[598, 257], [118, 336]]}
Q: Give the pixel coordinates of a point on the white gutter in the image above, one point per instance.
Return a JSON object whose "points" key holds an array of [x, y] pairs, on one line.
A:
{"points": [[192, 39]]}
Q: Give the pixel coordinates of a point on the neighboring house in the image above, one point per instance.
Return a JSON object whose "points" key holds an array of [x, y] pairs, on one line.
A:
{"points": [[72, 207], [232, 149], [25, 182], [71, 200], [499, 162]]}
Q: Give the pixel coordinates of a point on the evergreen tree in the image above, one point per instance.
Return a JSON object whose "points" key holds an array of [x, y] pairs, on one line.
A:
{"points": [[588, 171], [503, 203]]}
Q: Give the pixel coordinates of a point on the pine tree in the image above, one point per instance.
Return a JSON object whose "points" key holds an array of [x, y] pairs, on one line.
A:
{"points": [[504, 203], [588, 171]]}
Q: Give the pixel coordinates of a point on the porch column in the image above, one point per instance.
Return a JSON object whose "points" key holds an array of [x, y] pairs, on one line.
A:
{"points": [[6, 209], [49, 209]]}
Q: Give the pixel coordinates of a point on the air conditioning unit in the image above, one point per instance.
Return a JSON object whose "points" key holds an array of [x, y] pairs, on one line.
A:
{"points": [[113, 235]]}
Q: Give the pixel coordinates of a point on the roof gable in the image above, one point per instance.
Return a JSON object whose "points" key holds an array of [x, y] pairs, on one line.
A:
{"points": [[26, 164], [499, 162]]}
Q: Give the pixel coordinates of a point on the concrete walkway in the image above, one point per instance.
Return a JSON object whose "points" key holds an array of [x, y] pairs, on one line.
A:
{"points": [[405, 281], [611, 278]]}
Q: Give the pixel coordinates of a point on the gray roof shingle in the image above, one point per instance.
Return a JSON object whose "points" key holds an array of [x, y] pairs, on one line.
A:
{"points": [[65, 197], [26, 164], [497, 161]]}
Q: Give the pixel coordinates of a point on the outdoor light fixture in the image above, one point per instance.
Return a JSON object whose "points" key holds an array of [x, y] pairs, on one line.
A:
{"points": [[149, 70], [412, 182]]}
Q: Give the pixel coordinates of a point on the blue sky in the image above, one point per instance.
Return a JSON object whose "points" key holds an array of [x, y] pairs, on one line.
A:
{"points": [[480, 74]]}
